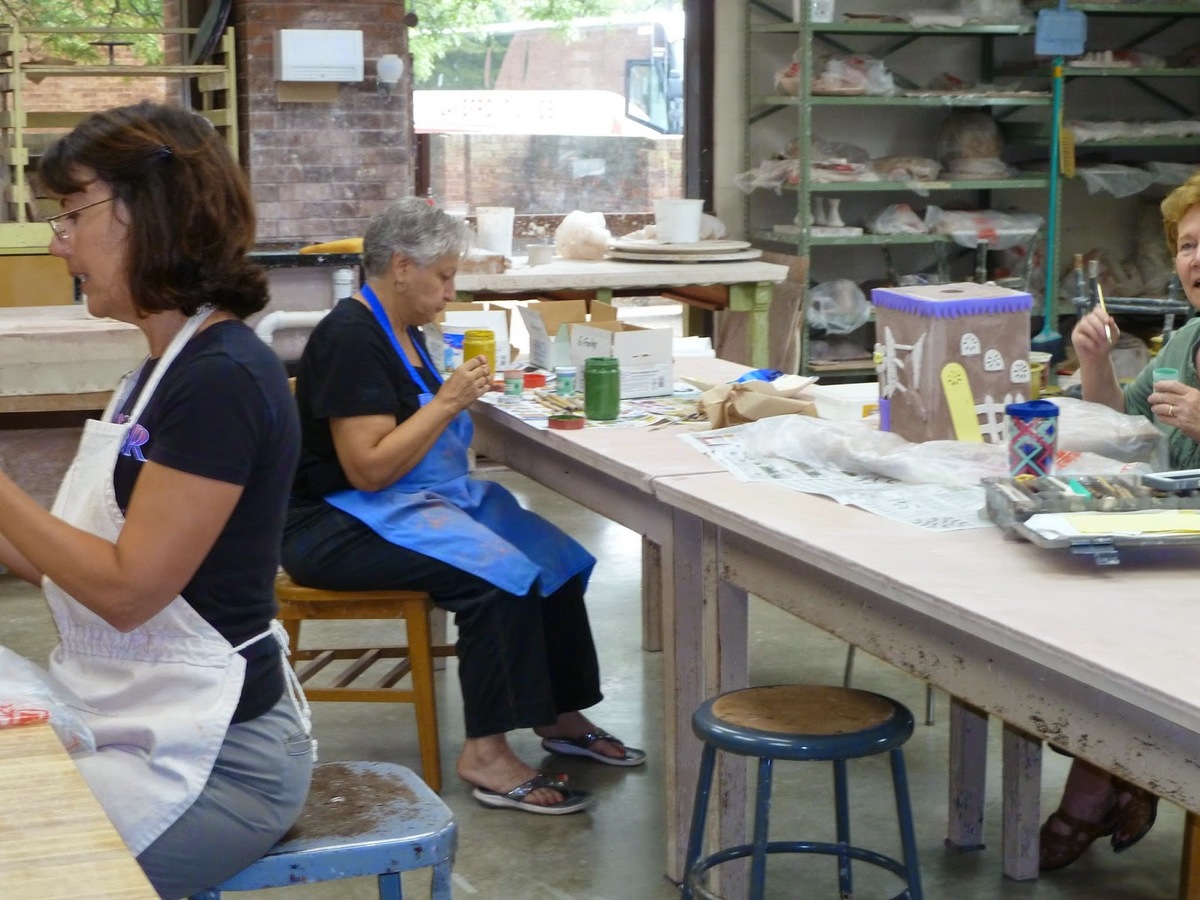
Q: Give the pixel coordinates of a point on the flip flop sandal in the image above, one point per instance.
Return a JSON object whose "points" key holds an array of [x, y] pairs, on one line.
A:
{"points": [[573, 800], [582, 746]]}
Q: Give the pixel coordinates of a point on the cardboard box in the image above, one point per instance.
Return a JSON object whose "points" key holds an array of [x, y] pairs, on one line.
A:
{"points": [[458, 318], [644, 354], [548, 322], [561, 333]]}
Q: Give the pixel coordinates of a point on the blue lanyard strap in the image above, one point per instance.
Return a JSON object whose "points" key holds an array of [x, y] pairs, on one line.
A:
{"points": [[386, 325]]}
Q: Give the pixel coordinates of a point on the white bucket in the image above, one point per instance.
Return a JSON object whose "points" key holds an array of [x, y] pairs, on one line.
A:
{"points": [[677, 221], [494, 228]]}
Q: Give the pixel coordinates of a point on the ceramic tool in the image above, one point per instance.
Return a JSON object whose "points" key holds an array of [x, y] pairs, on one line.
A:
{"points": [[961, 403], [1094, 278]]}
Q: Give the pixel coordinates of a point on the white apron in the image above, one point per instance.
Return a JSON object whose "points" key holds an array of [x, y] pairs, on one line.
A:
{"points": [[160, 698]]}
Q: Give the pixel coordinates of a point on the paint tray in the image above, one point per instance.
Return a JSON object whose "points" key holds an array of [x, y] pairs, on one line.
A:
{"points": [[1060, 32], [1012, 504]]}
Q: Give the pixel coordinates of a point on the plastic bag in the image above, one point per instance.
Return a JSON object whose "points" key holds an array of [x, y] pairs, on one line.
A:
{"points": [[1116, 179], [858, 74], [899, 218], [838, 307], [1001, 230], [787, 79], [29, 695], [864, 451], [582, 235]]}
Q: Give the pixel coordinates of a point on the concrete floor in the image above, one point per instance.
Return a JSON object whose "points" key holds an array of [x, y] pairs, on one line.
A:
{"points": [[615, 851]]}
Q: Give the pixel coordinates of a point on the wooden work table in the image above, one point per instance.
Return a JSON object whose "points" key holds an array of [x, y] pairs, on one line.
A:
{"points": [[55, 840], [739, 286]]}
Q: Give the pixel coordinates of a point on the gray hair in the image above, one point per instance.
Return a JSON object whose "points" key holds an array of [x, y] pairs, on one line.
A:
{"points": [[414, 229]]}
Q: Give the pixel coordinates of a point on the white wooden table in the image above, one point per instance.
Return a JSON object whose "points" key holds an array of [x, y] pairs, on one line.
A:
{"points": [[59, 358], [1091, 659], [56, 843], [736, 286], [611, 471]]}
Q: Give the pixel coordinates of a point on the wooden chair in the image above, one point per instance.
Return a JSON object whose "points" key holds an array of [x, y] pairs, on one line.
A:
{"points": [[360, 819], [359, 681]]}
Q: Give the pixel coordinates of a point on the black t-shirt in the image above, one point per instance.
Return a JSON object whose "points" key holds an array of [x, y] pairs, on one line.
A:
{"points": [[349, 368], [223, 410]]}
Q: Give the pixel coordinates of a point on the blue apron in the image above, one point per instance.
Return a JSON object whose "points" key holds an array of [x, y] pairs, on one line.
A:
{"points": [[437, 509]]}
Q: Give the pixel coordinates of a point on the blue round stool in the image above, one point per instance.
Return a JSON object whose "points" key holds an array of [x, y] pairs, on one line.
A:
{"points": [[802, 722]]}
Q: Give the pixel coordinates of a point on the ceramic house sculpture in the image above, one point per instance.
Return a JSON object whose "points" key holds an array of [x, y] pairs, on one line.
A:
{"points": [[950, 357]]}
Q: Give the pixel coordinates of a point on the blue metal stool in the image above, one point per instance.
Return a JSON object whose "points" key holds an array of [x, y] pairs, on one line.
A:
{"points": [[361, 818], [802, 722]]}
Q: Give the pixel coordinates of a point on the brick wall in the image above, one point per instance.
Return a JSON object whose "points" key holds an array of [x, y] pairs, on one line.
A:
{"points": [[554, 173], [320, 170]]}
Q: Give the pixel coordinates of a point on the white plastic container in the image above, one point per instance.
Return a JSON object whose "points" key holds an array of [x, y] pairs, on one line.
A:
{"points": [[846, 402], [677, 221], [494, 229], [818, 10]]}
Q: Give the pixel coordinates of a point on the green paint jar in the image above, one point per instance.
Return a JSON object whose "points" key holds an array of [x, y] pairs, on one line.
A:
{"points": [[601, 388]]}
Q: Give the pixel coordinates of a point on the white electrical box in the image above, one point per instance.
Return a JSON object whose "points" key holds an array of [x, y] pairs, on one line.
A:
{"points": [[318, 55]]}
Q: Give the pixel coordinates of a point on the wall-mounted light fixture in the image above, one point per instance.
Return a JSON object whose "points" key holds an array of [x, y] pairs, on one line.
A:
{"points": [[389, 69]]}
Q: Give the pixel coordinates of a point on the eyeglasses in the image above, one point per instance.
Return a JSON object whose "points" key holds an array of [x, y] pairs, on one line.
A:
{"points": [[59, 231]]}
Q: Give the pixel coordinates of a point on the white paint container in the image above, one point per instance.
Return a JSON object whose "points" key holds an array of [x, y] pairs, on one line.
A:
{"points": [[677, 221]]}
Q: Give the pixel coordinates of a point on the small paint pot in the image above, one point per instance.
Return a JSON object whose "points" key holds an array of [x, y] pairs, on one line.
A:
{"points": [[534, 380], [514, 382]]}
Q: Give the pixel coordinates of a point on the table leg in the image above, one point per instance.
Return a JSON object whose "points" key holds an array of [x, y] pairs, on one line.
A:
{"points": [[705, 643], [1022, 776], [1189, 875], [755, 298], [656, 578], [968, 775]]}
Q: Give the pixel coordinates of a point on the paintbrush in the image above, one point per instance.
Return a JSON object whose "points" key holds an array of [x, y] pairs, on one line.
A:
{"points": [[1094, 275]]}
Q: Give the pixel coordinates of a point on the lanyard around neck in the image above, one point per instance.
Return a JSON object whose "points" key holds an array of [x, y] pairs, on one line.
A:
{"points": [[385, 323]]}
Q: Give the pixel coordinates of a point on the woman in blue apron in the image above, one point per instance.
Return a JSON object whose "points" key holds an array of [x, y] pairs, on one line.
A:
{"points": [[159, 555], [383, 499]]}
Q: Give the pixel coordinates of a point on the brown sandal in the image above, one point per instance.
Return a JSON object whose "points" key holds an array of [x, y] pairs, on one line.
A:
{"points": [[1136, 810], [1055, 851]]}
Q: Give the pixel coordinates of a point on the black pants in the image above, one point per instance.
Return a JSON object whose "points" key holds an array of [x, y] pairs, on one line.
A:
{"points": [[521, 660]]}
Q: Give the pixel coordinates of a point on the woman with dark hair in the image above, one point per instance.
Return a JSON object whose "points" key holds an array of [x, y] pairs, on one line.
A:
{"points": [[384, 500], [1096, 803], [159, 555]]}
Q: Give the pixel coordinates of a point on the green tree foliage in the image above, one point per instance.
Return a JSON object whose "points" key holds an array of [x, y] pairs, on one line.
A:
{"points": [[80, 15], [445, 24]]}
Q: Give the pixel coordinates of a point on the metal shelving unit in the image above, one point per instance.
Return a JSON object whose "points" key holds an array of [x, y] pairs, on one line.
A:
{"points": [[1140, 23], [764, 19]]}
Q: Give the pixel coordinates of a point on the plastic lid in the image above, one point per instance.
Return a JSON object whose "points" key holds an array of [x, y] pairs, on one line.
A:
{"points": [[565, 370], [1033, 409], [480, 334], [600, 362]]}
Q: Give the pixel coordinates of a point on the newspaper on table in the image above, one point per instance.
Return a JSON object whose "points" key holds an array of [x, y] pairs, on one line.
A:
{"points": [[536, 407], [932, 506]]}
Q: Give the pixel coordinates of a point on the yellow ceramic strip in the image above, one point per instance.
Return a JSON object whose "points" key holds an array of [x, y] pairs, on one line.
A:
{"points": [[961, 403]]}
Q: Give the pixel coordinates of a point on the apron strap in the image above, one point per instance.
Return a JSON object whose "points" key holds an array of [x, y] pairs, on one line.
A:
{"points": [[295, 691], [190, 327]]}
